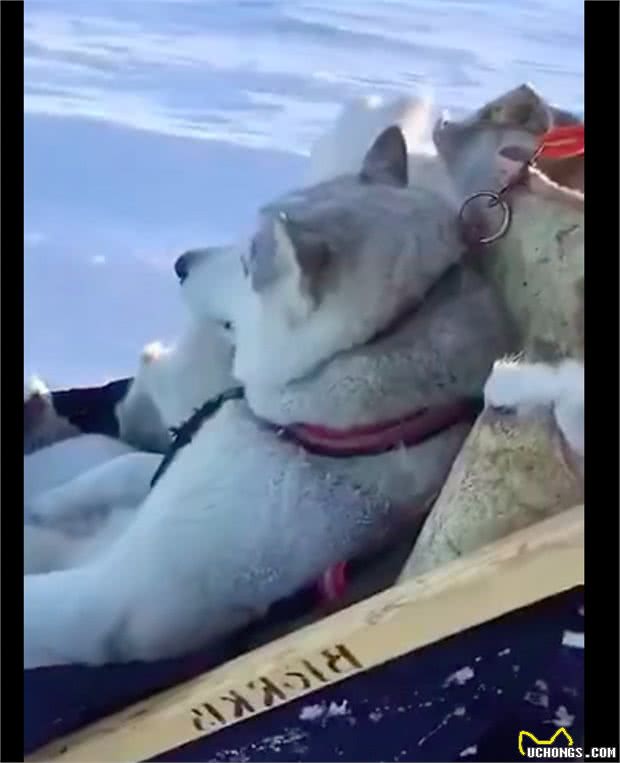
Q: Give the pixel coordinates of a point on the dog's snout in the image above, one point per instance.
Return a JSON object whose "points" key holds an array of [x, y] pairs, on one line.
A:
{"points": [[182, 265]]}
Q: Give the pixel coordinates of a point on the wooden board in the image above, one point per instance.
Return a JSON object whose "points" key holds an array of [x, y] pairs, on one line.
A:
{"points": [[530, 565]]}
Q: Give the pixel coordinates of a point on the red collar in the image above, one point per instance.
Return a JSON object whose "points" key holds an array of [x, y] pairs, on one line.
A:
{"points": [[369, 440], [373, 439]]}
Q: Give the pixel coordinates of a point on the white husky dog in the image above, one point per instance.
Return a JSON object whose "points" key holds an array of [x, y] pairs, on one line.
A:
{"points": [[80, 493], [359, 344], [172, 381], [341, 148]]}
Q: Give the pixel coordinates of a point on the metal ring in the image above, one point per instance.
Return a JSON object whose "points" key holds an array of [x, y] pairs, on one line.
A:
{"points": [[494, 200]]}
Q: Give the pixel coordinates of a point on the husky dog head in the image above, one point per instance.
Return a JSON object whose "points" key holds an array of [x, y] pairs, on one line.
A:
{"points": [[329, 267], [480, 152], [216, 292], [171, 382]]}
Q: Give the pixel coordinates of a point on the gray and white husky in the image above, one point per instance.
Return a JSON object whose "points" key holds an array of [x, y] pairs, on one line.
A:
{"points": [[359, 340]]}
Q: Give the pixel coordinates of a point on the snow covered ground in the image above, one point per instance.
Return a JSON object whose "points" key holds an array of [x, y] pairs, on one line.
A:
{"points": [[152, 126]]}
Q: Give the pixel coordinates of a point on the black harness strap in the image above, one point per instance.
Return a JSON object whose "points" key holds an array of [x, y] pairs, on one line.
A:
{"points": [[183, 435]]}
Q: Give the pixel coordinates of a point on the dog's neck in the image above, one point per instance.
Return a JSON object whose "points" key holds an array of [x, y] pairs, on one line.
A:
{"points": [[439, 354]]}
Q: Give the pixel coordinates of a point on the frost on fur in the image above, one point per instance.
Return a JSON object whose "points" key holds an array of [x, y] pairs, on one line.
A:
{"points": [[522, 387]]}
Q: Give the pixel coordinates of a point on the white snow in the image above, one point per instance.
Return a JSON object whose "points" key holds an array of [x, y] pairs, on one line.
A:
{"points": [[460, 677], [573, 639]]}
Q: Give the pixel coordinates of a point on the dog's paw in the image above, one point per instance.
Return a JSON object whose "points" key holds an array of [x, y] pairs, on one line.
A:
{"points": [[519, 388], [569, 416], [516, 387], [569, 406]]}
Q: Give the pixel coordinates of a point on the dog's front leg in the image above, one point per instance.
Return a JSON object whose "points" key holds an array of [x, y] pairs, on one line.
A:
{"points": [[146, 598], [84, 615], [63, 620], [122, 481]]}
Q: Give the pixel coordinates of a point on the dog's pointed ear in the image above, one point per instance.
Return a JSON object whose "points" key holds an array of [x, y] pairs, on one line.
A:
{"points": [[386, 160]]}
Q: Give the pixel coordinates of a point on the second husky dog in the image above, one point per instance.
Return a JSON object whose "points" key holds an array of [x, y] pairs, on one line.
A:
{"points": [[359, 344], [171, 382], [80, 493]]}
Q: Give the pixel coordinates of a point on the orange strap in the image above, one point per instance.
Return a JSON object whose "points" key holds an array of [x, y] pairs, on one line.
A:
{"points": [[563, 142]]}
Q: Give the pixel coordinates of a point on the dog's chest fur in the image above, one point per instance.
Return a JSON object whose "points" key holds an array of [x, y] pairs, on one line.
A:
{"points": [[253, 516]]}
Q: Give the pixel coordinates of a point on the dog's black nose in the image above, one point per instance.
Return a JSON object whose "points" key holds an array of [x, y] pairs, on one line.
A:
{"points": [[190, 259], [181, 266]]}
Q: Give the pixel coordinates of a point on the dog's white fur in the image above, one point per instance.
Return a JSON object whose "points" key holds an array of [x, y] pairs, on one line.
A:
{"points": [[64, 543], [58, 460], [63, 461], [243, 517], [73, 488], [172, 381], [88, 477], [341, 149], [84, 477], [522, 386]]}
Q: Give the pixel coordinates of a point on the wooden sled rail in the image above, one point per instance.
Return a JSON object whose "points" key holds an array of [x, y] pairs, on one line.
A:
{"points": [[527, 566]]}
